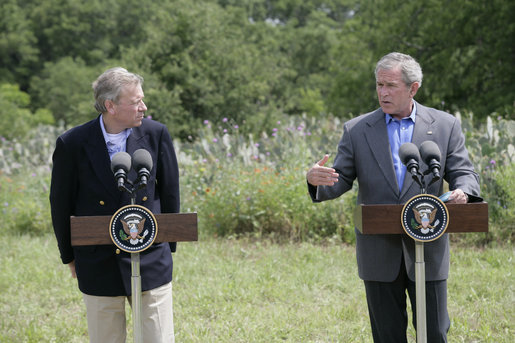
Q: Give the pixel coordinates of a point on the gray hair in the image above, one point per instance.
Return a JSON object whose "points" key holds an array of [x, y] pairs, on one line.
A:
{"points": [[109, 85], [411, 71]]}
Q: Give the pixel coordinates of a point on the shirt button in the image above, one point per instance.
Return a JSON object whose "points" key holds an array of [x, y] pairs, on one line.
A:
{"points": [[117, 251], [144, 198], [101, 202]]}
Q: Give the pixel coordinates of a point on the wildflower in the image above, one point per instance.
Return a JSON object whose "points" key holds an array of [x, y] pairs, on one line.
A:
{"points": [[492, 162], [236, 127], [229, 154], [206, 122], [149, 117], [256, 145], [278, 122], [204, 161], [33, 174], [224, 120], [225, 131], [215, 140], [274, 134], [275, 129], [248, 198]]}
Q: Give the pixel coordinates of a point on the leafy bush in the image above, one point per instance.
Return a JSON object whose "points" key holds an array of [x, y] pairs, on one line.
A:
{"points": [[492, 151], [256, 186]]}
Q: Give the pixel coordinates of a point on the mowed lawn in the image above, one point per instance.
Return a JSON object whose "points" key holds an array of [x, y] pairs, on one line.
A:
{"points": [[241, 291]]}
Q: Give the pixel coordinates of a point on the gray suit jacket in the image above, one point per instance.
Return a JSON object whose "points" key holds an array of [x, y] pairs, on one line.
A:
{"points": [[364, 154]]}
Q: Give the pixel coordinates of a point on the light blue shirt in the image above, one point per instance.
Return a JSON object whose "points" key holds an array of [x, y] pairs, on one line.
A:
{"points": [[115, 142], [400, 132]]}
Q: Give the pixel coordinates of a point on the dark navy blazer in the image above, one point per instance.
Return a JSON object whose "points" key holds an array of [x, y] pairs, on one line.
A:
{"points": [[83, 185]]}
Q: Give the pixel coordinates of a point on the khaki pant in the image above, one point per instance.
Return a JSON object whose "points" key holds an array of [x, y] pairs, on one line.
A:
{"points": [[106, 317]]}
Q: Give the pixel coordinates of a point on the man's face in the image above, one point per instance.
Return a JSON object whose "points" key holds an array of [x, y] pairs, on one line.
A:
{"points": [[393, 94], [130, 108]]}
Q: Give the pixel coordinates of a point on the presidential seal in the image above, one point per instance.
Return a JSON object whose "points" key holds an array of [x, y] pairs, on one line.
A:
{"points": [[424, 218], [133, 228]]}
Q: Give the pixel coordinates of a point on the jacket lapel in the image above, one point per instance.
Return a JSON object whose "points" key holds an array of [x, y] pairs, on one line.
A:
{"points": [[96, 151], [377, 138]]}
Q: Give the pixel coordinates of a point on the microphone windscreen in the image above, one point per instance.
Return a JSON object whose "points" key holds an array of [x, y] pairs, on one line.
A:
{"points": [[408, 151], [121, 160], [142, 159], [429, 150]]}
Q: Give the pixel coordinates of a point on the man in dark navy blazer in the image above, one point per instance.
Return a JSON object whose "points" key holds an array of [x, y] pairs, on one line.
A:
{"points": [[369, 152], [84, 185]]}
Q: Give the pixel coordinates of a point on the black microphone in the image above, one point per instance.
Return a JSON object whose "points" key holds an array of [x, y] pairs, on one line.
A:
{"points": [[430, 153], [142, 162], [410, 157], [120, 166]]}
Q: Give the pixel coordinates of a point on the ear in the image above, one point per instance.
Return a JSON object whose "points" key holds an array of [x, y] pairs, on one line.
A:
{"points": [[109, 104], [414, 88]]}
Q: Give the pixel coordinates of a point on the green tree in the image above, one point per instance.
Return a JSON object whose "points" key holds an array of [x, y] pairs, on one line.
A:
{"points": [[16, 119]]}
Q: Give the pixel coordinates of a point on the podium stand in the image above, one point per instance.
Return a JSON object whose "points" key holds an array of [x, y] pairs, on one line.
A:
{"points": [[173, 227], [386, 219]]}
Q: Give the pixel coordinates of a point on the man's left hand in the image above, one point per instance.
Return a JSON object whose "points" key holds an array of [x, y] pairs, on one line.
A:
{"points": [[458, 197]]}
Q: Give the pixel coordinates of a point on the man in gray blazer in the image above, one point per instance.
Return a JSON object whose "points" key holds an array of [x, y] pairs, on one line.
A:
{"points": [[369, 152]]}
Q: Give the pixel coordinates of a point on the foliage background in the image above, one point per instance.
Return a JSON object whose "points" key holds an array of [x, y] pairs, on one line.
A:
{"points": [[254, 59]]}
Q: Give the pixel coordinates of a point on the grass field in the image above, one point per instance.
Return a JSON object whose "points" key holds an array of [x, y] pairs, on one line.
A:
{"points": [[240, 291]]}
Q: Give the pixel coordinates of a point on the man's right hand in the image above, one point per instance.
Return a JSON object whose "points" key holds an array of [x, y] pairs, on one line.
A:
{"points": [[72, 269], [318, 175]]}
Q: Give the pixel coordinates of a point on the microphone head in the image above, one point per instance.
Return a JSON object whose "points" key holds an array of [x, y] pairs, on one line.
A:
{"points": [[142, 159], [121, 160], [407, 152], [429, 150]]}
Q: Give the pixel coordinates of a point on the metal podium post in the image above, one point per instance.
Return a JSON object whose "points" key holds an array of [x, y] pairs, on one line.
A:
{"points": [[136, 297], [420, 288]]}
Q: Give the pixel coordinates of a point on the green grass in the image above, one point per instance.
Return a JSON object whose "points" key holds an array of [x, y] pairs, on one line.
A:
{"points": [[242, 291]]}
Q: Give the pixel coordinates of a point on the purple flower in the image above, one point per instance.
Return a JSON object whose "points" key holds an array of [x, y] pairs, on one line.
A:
{"points": [[236, 126], [275, 129], [215, 140], [206, 122], [33, 174], [204, 161], [279, 122], [225, 130], [248, 198], [256, 145], [492, 162], [224, 120], [274, 134], [229, 154]]}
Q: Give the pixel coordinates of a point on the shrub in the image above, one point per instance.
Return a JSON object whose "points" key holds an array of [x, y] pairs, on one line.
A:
{"points": [[247, 186]]}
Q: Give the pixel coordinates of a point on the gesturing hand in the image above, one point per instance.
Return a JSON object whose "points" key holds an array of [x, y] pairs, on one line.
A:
{"points": [[318, 175]]}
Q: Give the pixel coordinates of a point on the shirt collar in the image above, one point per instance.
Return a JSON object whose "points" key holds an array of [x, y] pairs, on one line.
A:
{"points": [[107, 136], [412, 116]]}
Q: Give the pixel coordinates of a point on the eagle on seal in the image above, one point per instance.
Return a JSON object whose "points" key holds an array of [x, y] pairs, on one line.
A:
{"points": [[424, 219], [132, 230]]}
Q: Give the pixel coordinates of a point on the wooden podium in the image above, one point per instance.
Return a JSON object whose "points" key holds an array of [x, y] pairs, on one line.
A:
{"points": [[172, 227], [386, 219]]}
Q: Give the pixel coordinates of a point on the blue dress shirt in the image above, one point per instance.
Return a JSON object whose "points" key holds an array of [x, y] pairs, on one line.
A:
{"points": [[400, 132]]}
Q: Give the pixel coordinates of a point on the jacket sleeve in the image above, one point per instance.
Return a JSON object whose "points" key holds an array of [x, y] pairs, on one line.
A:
{"points": [[167, 176], [62, 189]]}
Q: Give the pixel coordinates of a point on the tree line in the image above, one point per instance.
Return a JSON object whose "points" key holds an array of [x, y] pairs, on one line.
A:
{"points": [[249, 60]]}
